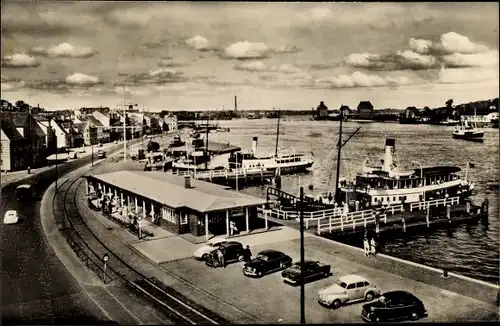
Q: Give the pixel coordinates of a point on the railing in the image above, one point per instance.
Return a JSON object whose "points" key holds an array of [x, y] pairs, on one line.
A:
{"points": [[350, 220], [435, 202], [221, 173]]}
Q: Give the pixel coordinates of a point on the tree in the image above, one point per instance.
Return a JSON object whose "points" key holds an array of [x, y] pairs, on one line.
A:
{"points": [[153, 146], [165, 127], [449, 103], [20, 104]]}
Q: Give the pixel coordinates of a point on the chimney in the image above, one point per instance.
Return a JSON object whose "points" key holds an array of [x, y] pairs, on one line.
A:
{"points": [[187, 182], [235, 103], [254, 145], [390, 145]]}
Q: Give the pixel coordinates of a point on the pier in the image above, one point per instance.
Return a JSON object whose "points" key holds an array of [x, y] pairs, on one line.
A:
{"points": [[242, 175], [432, 213]]}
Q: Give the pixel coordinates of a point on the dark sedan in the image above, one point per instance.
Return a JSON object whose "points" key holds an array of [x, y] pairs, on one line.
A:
{"points": [[311, 270], [266, 262], [394, 305]]}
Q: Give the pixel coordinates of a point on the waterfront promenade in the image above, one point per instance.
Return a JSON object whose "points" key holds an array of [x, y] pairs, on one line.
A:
{"points": [[242, 300]]}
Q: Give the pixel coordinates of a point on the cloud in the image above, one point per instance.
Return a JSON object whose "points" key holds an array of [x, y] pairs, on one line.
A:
{"points": [[247, 50], [19, 60], [79, 79], [171, 63], [259, 66], [254, 66], [359, 79], [466, 75], [11, 86], [288, 49], [453, 50], [199, 43], [454, 42], [419, 45], [64, 50], [484, 59], [161, 75]]}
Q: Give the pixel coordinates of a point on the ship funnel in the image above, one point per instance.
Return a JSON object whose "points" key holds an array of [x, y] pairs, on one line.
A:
{"points": [[254, 145], [390, 146]]}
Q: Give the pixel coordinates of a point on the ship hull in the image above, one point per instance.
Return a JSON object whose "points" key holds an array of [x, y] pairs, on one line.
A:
{"points": [[476, 136]]}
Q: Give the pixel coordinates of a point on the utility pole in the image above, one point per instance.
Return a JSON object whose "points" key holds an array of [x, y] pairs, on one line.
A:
{"points": [[302, 258], [125, 124], [206, 139], [277, 134]]}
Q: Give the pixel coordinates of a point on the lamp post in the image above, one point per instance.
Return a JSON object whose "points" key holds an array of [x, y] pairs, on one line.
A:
{"points": [[125, 125], [92, 147], [302, 283]]}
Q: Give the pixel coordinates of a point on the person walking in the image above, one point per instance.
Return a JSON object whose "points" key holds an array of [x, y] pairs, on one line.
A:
{"points": [[366, 245], [373, 247], [220, 256], [247, 254]]}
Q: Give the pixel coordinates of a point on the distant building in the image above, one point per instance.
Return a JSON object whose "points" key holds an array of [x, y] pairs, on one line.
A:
{"points": [[14, 148], [102, 132], [365, 110], [321, 110], [33, 134], [103, 118], [171, 121], [45, 124], [76, 138], [411, 112], [63, 137], [480, 119], [89, 133]]}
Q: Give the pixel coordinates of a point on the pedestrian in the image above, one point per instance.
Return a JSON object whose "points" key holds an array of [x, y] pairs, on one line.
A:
{"points": [[247, 254], [231, 228], [220, 256], [366, 245], [373, 247]]}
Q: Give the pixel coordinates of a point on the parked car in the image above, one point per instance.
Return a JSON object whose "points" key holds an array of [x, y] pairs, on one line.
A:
{"points": [[10, 217], [266, 262], [394, 305], [24, 192], [311, 270], [346, 289], [232, 251], [212, 244], [101, 154]]}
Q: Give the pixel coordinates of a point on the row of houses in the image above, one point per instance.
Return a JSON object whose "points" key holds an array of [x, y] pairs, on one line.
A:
{"points": [[27, 139], [364, 110]]}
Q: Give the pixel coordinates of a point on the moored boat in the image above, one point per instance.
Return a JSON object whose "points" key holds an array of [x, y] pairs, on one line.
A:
{"points": [[467, 132]]}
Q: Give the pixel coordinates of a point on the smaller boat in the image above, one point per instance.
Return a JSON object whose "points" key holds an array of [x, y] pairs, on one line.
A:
{"points": [[467, 132], [450, 122]]}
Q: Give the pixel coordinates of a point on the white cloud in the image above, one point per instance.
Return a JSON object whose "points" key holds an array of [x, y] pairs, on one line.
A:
{"points": [[288, 49], [359, 79], [198, 42], [286, 69], [19, 60], [467, 75], [416, 60], [364, 60], [484, 59], [82, 79], [247, 50], [454, 42], [172, 63], [64, 50], [254, 66], [9, 86], [162, 72], [419, 45]]}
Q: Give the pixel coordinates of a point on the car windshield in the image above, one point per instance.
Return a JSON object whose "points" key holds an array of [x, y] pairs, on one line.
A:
{"points": [[341, 284], [295, 267], [262, 257]]}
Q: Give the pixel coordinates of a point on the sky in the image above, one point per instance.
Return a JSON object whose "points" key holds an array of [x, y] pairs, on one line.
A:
{"points": [[199, 55]]}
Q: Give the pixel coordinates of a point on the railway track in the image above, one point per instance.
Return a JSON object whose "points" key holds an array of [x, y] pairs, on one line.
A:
{"points": [[91, 250]]}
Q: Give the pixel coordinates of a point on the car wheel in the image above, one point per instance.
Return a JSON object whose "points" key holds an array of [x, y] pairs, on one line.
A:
{"points": [[327, 274], [240, 258], [204, 257], [369, 296], [414, 315], [336, 304], [259, 274], [377, 319], [283, 265]]}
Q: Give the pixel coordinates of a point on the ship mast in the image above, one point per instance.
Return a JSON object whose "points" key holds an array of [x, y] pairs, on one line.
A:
{"points": [[339, 150], [277, 134]]}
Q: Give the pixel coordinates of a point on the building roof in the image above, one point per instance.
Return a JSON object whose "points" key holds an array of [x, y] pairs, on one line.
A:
{"points": [[9, 129], [18, 118], [365, 105], [60, 125], [170, 190], [93, 120], [80, 126]]}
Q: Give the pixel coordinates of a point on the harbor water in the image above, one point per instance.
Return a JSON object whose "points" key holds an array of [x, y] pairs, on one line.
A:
{"points": [[470, 249]]}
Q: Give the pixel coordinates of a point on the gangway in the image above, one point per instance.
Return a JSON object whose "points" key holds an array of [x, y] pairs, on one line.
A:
{"points": [[289, 201]]}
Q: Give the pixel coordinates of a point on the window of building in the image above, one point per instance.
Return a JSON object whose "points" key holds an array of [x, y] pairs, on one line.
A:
{"points": [[169, 214], [184, 219]]}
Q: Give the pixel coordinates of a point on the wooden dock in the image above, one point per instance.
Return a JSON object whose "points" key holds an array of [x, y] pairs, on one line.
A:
{"points": [[242, 176], [428, 214]]}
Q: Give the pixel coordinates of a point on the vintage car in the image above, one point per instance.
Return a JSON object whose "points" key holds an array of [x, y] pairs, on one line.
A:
{"points": [[101, 154], [311, 270], [232, 251], [394, 305], [347, 289], [212, 244], [266, 262]]}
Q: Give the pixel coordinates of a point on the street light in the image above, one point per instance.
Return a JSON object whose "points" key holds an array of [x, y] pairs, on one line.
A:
{"points": [[125, 125], [92, 146]]}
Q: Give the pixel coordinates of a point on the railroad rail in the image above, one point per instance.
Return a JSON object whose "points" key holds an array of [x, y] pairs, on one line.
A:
{"points": [[91, 250]]}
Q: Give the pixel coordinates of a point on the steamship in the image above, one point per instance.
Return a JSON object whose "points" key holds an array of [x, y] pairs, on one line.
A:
{"points": [[389, 185], [284, 160]]}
